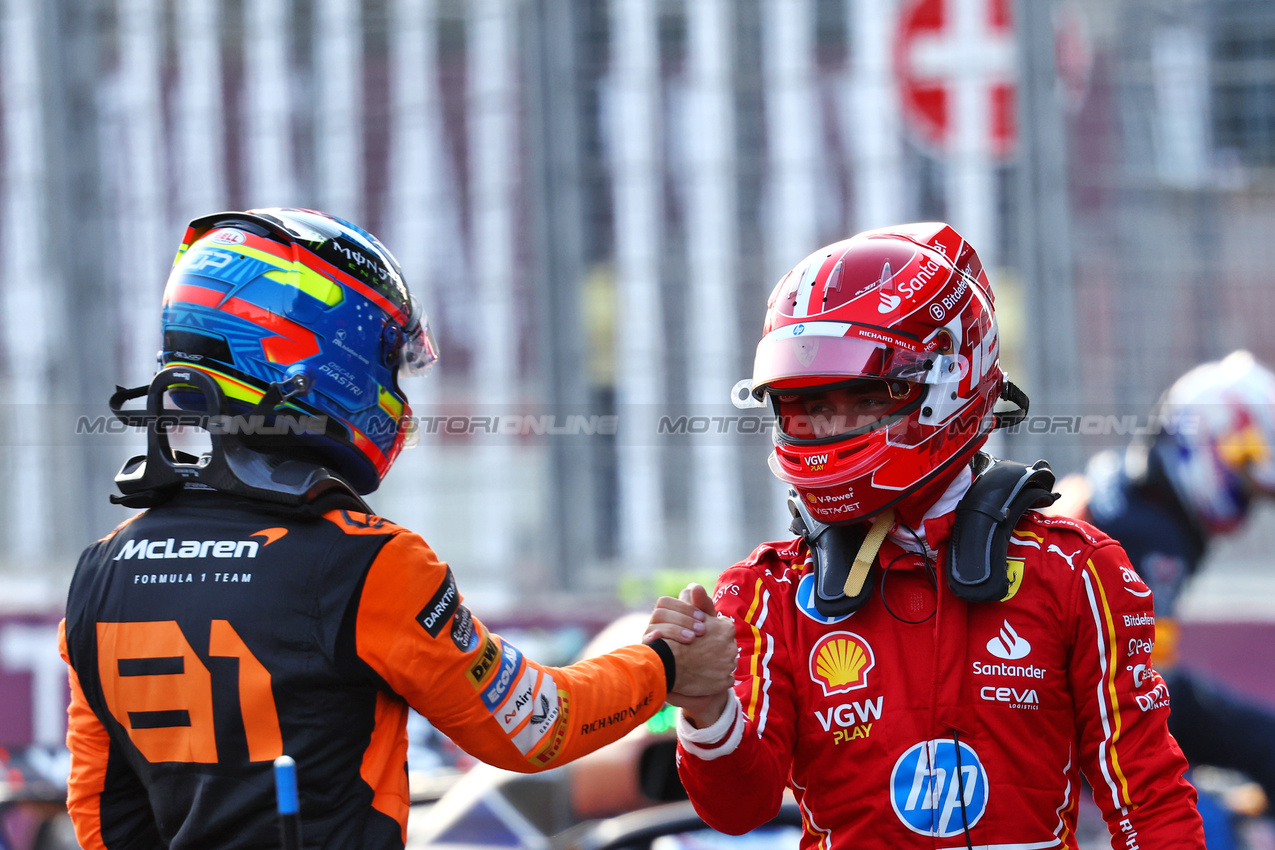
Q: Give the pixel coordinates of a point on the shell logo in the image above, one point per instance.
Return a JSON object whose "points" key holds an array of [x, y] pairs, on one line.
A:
{"points": [[840, 662]]}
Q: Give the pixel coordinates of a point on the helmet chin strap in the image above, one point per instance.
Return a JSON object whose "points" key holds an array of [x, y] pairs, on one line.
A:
{"points": [[230, 467], [977, 568], [868, 552]]}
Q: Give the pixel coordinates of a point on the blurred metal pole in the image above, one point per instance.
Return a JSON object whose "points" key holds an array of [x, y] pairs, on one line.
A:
{"points": [[415, 202], [199, 109], [794, 130], [72, 31], [1044, 235], [553, 143], [147, 242], [268, 79], [638, 178], [794, 127], [28, 291], [976, 60], [491, 115], [338, 67], [873, 122], [713, 235]]}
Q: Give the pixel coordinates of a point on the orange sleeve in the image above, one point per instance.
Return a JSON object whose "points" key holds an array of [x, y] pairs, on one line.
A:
{"points": [[413, 629], [90, 746]]}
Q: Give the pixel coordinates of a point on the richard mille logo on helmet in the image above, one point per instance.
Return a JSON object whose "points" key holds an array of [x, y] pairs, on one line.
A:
{"points": [[840, 662], [1008, 644]]}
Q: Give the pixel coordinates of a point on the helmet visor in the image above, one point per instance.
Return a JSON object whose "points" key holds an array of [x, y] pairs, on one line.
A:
{"points": [[821, 352], [844, 409], [420, 350]]}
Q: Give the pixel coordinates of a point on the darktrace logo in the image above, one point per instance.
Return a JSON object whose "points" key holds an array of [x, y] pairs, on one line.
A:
{"points": [[439, 609]]}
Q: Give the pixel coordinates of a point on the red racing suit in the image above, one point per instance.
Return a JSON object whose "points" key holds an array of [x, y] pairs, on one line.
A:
{"points": [[923, 720]]}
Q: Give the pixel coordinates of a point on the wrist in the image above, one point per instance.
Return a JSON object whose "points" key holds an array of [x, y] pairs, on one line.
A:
{"points": [[717, 739], [708, 711], [667, 658]]}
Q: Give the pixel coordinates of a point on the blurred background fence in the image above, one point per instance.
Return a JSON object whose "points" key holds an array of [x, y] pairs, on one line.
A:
{"points": [[593, 198]]}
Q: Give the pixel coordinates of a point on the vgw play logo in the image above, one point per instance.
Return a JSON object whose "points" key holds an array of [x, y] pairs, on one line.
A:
{"points": [[927, 788]]}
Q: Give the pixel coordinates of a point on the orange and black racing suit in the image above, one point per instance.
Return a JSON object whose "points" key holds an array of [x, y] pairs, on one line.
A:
{"points": [[206, 637]]}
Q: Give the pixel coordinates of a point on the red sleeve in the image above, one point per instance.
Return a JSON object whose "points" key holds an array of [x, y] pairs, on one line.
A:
{"points": [[90, 746], [1122, 710], [477, 688], [739, 789]]}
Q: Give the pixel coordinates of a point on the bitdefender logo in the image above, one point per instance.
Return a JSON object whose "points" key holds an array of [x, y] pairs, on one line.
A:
{"points": [[1008, 644]]}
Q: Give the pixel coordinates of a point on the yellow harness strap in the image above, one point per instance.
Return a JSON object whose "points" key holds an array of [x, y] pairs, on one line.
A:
{"points": [[867, 552]]}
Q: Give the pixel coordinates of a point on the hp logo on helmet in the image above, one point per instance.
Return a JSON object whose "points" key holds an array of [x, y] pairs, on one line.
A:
{"points": [[926, 792]]}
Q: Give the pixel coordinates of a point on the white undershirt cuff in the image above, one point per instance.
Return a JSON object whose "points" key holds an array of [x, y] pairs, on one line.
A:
{"points": [[717, 740]]}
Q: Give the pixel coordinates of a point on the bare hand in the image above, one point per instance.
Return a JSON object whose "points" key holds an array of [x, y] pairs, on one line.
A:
{"points": [[706, 666], [680, 619]]}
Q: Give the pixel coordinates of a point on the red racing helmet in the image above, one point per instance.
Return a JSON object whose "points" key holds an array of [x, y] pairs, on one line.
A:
{"points": [[906, 310]]}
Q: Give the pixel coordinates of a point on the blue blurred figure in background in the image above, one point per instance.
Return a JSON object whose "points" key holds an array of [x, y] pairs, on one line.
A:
{"points": [[1165, 498]]}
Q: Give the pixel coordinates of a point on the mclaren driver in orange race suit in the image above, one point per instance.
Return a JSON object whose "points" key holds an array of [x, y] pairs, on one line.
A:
{"points": [[259, 608], [930, 663]]}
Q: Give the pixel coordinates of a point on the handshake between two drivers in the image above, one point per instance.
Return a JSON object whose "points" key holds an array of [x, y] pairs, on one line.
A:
{"points": [[704, 648]]}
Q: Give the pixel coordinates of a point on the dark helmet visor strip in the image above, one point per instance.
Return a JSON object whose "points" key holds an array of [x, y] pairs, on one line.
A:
{"points": [[802, 427]]}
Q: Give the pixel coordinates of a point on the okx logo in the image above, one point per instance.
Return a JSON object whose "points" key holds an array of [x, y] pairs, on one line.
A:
{"points": [[1008, 644], [930, 782]]}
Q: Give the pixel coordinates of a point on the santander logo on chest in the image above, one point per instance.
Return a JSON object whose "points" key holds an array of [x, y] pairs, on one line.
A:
{"points": [[1009, 645]]}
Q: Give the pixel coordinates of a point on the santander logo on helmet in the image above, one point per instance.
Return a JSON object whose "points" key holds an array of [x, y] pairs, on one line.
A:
{"points": [[905, 310]]}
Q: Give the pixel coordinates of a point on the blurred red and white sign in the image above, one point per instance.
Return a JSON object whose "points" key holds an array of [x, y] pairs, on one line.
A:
{"points": [[955, 62]]}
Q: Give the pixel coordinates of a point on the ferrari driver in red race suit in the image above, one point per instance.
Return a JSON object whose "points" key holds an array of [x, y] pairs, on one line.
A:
{"points": [[930, 663], [258, 607]]}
